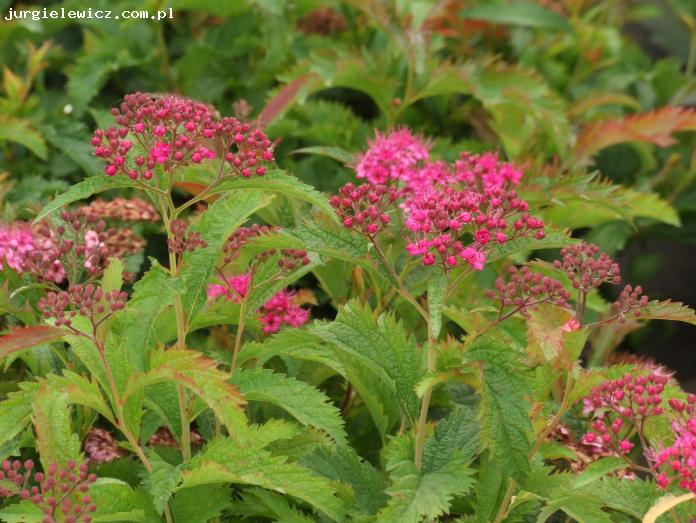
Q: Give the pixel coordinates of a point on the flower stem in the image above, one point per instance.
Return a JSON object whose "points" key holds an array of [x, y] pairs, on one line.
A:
{"points": [[240, 330]]}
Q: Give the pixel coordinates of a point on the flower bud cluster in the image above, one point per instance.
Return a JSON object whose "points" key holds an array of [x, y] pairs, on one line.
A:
{"points": [[620, 405], [164, 438], [101, 446], [182, 240], [62, 494], [630, 300], [364, 208], [289, 260], [16, 244], [122, 209], [323, 21], [588, 267], [87, 300], [527, 289], [172, 131]]}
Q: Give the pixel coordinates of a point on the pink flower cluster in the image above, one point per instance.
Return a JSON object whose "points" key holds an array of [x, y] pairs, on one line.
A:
{"points": [[618, 406], [25, 251], [439, 220], [677, 462], [278, 311], [62, 494], [172, 131], [16, 241], [454, 212], [399, 157], [396, 156]]}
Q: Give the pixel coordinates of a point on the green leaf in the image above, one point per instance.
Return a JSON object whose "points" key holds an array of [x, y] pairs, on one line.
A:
{"points": [[161, 481], [503, 409], [383, 346], [116, 501], [415, 495], [583, 508], [221, 218], [21, 132], [437, 285], [553, 239], [52, 420], [187, 506], [85, 189], [224, 461], [278, 182], [344, 465], [259, 503], [80, 391], [203, 378], [16, 410], [666, 310], [518, 13], [336, 153], [597, 470], [22, 512], [491, 478], [305, 403], [136, 323], [455, 435]]}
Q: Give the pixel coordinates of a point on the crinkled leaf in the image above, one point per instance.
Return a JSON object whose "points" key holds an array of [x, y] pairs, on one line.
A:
{"points": [[52, 419]]}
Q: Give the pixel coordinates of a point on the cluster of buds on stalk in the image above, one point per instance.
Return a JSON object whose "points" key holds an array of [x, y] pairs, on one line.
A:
{"points": [[88, 300], [122, 209], [289, 259], [182, 240], [171, 131], [101, 446], [621, 406], [364, 208], [525, 290], [62, 493]]}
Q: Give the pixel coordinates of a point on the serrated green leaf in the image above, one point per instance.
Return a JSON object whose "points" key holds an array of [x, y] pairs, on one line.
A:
{"points": [[154, 291], [455, 435], [22, 512], [52, 420], [116, 501], [437, 285], [344, 465], [382, 345], [113, 275], [666, 310], [503, 409], [305, 403], [597, 470], [415, 495], [583, 508], [187, 506], [278, 182], [85, 189], [223, 461], [336, 153], [16, 410], [161, 481], [80, 391], [553, 239]]}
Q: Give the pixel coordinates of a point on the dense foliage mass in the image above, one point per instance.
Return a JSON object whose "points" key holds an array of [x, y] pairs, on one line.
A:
{"points": [[385, 284]]}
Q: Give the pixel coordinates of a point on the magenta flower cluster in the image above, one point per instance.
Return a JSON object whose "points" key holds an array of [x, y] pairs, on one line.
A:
{"points": [[278, 311], [171, 131]]}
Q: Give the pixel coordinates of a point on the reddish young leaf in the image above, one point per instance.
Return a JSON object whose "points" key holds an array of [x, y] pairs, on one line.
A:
{"points": [[26, 337], [283, 99], [656, 127]]}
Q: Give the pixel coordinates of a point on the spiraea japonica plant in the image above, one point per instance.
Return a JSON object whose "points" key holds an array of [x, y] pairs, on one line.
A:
{"points": [[444, 375]]}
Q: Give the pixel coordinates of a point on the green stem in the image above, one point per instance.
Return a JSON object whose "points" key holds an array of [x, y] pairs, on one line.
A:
{"points": [[240, 329]]}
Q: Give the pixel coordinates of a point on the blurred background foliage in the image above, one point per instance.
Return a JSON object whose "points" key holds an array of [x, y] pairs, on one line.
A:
{"points": [[592, 97]]}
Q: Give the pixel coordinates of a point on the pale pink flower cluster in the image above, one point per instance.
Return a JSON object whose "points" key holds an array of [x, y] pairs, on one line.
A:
{"points": [[18, 242], [278, 311]]}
